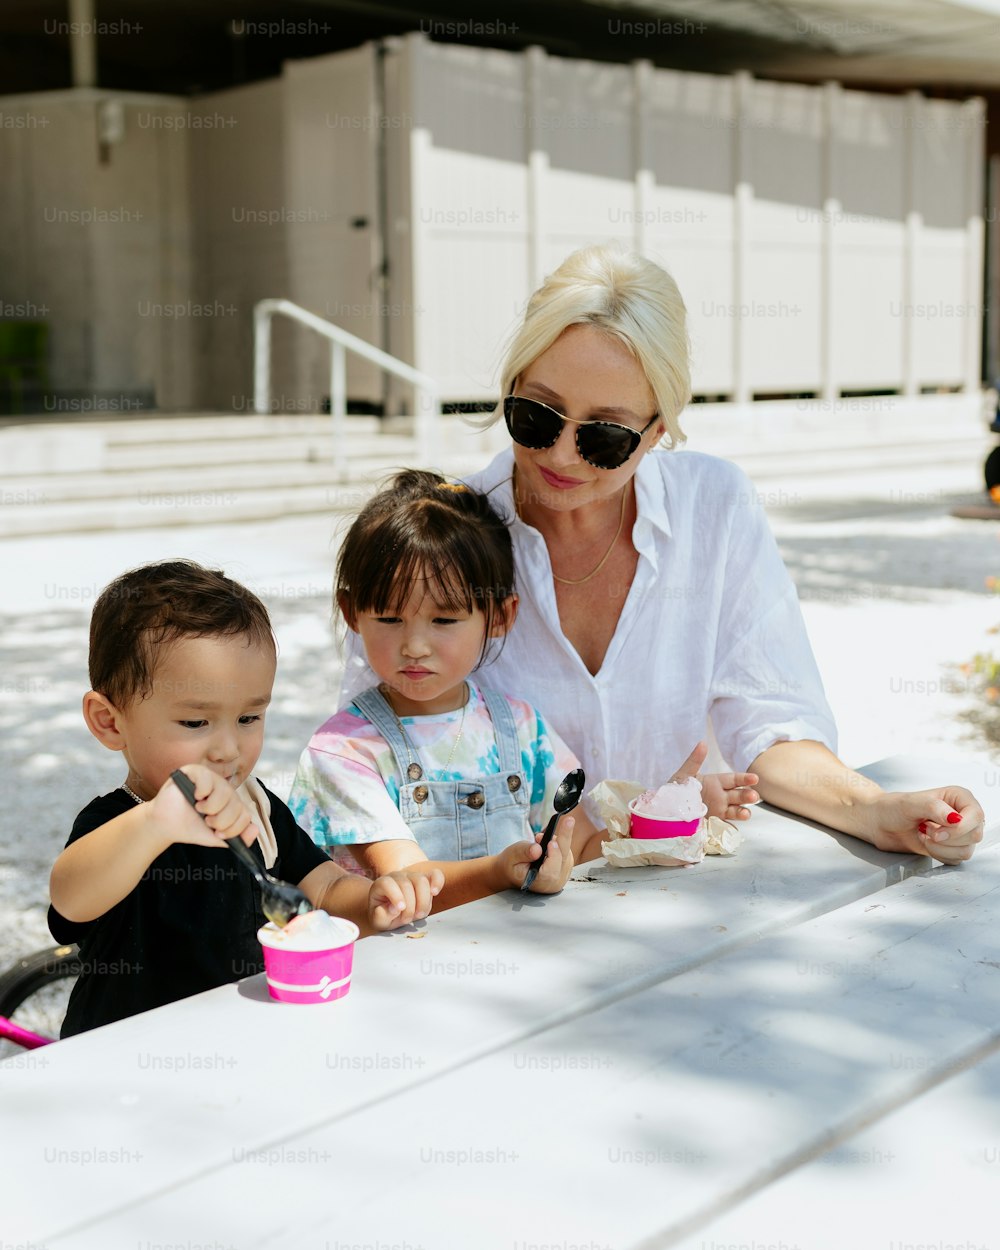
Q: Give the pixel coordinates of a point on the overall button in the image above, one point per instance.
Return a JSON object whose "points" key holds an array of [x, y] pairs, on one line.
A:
{"points": [[476, 799], [420, 793], [513, 783], [414, 772]]}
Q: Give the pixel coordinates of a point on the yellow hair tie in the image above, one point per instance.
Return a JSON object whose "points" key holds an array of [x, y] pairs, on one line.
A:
{"points": [[459, 486]]}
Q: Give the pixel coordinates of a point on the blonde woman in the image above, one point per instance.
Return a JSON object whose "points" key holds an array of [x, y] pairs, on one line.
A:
{"points": [[652, 594]]}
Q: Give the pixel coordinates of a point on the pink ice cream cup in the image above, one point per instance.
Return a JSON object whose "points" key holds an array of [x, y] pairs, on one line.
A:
{"points": [[307, 967], [652, 827], [673, 811]]}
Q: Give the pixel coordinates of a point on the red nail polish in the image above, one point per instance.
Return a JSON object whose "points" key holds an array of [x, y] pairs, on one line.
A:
{"points": [[922, 826], [954, 818]]}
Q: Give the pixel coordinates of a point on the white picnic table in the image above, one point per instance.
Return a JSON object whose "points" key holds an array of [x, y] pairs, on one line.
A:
{"points": [[787, 1048]]}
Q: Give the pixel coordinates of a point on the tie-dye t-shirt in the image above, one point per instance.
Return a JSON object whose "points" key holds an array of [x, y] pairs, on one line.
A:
{"points": [[346, 789]]}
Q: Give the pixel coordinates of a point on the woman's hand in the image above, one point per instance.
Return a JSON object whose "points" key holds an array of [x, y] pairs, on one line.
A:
{"points": [[945, 823], [691, 765], [807, 779], [729, 795], [726, 795]]}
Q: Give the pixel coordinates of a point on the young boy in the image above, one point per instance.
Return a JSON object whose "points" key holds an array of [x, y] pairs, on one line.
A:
{"points": [[182, 660]]}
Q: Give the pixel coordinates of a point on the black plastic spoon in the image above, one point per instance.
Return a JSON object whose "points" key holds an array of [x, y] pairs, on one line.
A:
{"points": [[566, 797], [279, 901]]}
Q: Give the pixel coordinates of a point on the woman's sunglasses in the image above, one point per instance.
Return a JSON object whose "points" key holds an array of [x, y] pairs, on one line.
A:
{"points": [[603, 444]]}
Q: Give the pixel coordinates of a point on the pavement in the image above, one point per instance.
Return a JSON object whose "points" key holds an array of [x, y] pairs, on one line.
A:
{"points": [[892, 589]]}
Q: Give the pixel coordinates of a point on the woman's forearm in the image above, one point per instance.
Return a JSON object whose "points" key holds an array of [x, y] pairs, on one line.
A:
{"points": [[807, 778]]}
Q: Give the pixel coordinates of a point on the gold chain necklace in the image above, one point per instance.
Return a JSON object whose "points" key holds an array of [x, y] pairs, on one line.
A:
{"points": [[578, 581], [413, 769]]}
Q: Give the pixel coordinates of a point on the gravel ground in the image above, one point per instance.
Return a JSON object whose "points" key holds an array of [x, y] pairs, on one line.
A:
{"points": [[892, 588]]}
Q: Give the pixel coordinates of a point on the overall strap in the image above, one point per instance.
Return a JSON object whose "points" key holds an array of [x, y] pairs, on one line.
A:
{"points": [[373, 705], [504, 730]]}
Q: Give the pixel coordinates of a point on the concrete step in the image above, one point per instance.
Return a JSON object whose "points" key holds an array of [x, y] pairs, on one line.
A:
{"points": [[221, 468], [68, 448], [208, 507], [763, 464], [291, 451], [227, 494], [194, 478], [211, 470]]}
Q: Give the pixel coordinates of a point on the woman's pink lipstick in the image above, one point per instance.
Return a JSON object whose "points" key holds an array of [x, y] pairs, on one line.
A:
{"points": [[559, 482]]}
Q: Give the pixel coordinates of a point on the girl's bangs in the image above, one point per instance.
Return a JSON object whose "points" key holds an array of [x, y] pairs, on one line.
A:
{"points": [[388, 591]]}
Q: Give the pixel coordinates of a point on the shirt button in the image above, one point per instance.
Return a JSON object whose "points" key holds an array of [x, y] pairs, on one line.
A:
{"points": [[593, 753]]}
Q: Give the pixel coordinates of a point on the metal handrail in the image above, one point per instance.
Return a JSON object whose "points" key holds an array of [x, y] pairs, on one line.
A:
{"points": [[426, 408]]}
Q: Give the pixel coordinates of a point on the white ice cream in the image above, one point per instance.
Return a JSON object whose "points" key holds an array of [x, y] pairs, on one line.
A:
{"points": [[677, 800], [315, 931]]}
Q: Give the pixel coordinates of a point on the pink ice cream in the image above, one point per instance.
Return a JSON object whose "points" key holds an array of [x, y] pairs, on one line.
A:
{"points": [[313, 931], [677, 800]]}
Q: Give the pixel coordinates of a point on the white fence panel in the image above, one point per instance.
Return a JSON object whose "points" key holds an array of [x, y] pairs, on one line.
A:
{"points": [[868, 271], [806, 225], [943, 310], [687, 215], [780, 308], [468, 212], [585, 128]]}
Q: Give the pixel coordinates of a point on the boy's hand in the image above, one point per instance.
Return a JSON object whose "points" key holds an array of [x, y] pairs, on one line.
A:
{"points": [[402, 897], [728, 795], [222, 812], [513, 862]]}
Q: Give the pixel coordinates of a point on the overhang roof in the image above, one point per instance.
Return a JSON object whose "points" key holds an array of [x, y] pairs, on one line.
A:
{"points": [[909, 42], [189, 46]]}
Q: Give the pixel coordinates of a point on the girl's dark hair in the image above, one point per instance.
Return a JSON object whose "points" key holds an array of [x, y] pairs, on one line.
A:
{"points": [[152, 606], [423, 526]]}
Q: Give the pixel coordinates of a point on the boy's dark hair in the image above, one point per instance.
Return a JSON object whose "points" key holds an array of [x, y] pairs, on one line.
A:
{"points": [[157, 604], [422, 525]]}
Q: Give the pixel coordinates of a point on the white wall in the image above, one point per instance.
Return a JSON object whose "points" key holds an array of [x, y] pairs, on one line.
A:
{"points": [[239, 208], [460, 222], [331, 137], [97, 248]]}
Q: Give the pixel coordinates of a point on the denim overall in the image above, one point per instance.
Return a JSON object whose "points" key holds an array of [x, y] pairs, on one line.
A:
{"points": [[459, 819]]}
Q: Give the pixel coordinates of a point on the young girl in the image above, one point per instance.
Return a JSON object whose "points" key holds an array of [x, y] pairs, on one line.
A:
{"points": [[427, 764]]}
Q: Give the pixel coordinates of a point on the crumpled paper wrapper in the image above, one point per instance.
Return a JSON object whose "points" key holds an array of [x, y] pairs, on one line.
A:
{"points": [[712, 837]]}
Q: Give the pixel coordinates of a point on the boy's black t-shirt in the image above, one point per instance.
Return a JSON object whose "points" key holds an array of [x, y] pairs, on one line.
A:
{"points": [[189, 925]]}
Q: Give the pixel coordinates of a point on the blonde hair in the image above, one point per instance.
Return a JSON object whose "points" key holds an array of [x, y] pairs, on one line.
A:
{"points": [[627, 296]]}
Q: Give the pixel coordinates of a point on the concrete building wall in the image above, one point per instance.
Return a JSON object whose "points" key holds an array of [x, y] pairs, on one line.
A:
{"points": [[285, 206], [95, 240], [331, 148], [239, 210]]}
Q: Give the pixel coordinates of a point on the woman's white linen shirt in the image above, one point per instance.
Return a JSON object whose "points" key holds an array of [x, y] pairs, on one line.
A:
{"points": [[711, 626]]}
